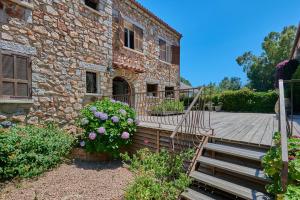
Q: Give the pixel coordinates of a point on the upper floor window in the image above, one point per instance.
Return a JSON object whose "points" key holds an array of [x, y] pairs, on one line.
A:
{"points": [[133, 37], [165, 51], [92, 4], [15, 81]]}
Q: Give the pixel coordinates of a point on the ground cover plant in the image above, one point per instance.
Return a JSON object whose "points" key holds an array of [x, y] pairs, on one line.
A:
{"points": [[159, 176], [273, 165], [27, 151], [108, 126]]}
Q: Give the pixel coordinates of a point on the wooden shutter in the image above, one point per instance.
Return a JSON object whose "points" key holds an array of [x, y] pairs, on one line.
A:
{"points": [[138, 33], [176, 55], [121, 28], [162, 50], [15, 79]]}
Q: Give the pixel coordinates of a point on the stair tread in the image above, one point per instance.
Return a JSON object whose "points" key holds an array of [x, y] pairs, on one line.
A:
{"points": [[191, 194], [229, 187], [236, 151], [239, 169]]}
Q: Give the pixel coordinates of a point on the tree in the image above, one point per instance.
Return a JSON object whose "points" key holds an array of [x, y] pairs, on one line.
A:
{"points": [[260, 69], [233, 83], [185, 81]]}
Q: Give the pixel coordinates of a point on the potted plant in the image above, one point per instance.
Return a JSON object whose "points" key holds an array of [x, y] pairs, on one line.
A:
{"points": [[218, 107]]}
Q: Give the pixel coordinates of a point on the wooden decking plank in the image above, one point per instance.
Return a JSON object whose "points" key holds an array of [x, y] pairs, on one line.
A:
{"points": [[235, 151], [238, 169], [229, 187]]}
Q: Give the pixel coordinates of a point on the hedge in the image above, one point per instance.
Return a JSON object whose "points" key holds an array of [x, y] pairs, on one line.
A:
{"points": [[246, 100]]}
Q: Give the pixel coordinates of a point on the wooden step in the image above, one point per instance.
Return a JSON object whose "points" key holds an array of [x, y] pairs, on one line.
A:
{"points": [[238, 169], [191, 194], [235, 151], [228, 187]]}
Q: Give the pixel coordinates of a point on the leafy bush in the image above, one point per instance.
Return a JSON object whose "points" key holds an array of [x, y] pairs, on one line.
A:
{"points": [[272, 164], [108, 126], [159, 176], [169, 105], [246, 100], [29, 151]]}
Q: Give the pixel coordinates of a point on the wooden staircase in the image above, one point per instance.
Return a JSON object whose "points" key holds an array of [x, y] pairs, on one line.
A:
{"points": [[228, 171]]}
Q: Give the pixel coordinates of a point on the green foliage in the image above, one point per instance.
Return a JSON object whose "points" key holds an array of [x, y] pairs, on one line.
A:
{"points": [[185, 81], [158, 176], [260, 69], [246, 100], [272, 163], [233, 83], [101, 115], [169, 105], [29, 151]]}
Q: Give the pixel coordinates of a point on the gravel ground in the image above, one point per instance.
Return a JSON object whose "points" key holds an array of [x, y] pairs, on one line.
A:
{"points": [[75, 181]]}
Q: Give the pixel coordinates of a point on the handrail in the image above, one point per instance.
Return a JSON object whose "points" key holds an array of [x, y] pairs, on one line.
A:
{"points": [[284, 135], [187, 113]]}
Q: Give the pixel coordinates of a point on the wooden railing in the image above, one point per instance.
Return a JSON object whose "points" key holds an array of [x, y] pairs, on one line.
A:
{"points": [[283, 127]]}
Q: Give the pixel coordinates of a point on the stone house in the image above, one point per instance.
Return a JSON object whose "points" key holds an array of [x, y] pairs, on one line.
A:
{"points": [[57, 55]]}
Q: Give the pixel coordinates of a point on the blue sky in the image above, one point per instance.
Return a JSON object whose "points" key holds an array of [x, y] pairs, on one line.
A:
{"points": [[215, 32]]}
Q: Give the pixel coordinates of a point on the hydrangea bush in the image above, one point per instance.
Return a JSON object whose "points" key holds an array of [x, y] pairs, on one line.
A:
{"points": [[108, 126]]}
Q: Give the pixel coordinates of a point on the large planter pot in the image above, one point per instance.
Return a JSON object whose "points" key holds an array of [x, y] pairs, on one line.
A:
{"points": [[218, 108], [81, 154], [287, 103]]}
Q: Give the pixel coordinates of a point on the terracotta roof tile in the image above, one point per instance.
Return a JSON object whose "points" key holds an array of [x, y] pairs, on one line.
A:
{"points": [[129, 67]]}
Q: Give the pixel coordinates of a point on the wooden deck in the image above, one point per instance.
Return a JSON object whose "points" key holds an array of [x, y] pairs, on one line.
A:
{"points": [[252, 128]]}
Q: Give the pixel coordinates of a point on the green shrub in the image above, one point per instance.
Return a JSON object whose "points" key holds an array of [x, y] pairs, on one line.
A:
{"points": [[108, 126], [159, 176], [29, 151], [169, 105], [272, 163], [246, 100]]}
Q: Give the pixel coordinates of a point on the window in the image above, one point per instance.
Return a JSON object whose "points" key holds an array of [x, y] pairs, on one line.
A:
{"points": [[133, 37], [152, 90], [169, 92], [92, 4], [15, 81], [91, 83], [165, 51]]}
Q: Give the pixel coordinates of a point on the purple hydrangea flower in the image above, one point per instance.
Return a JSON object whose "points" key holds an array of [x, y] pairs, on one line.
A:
{"points": [[92, 135], [82, 143], [125, 104], [123, 112], [103, 116], [115, 119], [93, 109], [84, 121], [97, 114], [125, 135], [113, 101], [101, 130], [129, 121]]}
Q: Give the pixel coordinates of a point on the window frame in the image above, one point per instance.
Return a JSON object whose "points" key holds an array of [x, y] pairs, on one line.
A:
{"points": [[137, 41], [97, 5], [154, 93], [97, 82], [165, 54], [170, 92], [14, 80]]}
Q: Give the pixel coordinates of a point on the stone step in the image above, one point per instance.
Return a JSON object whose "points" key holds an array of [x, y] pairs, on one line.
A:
{"points": [[231, 188], [234, 168], [235, 151]]}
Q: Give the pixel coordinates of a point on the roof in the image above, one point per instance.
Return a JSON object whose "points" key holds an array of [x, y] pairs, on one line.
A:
{"points": [[184, 86], [295, 42], [140, 6]]}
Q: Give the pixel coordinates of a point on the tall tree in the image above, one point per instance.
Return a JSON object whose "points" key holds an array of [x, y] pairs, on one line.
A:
{"points": [[185, 81], [260, 69], [233, 83]]}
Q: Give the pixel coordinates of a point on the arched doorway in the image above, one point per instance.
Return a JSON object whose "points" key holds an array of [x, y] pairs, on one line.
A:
{"points": [[121, 90]]}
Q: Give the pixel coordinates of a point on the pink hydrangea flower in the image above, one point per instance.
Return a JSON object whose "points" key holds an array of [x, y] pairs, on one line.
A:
{"points": [[92, 136], [101, 130], [125, 135]]}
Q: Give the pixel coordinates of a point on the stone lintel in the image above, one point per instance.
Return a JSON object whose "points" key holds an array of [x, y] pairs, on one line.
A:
{"points": [[93, 67], [18, 48]]}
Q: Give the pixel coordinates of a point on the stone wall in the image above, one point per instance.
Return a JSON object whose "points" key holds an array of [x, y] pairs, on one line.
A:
{"points": [[63, 38], [156, 71]]}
